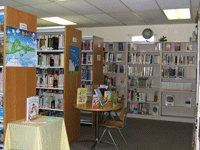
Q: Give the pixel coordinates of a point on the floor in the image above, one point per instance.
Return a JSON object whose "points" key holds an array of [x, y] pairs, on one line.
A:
{"points": [[142, 134]]}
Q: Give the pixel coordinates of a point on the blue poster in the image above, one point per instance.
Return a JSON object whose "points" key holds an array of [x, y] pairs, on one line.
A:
{"points": [[21, 48], [73, 59]]}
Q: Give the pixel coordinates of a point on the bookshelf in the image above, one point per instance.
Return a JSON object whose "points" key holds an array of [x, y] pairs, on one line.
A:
{"points": [[56, 82], [115, 67], [162, 81], [91, 71]]}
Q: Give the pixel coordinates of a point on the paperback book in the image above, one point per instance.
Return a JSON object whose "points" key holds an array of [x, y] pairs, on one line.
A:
{"points": [[155, 110], [32, 108], [144, 108], [95, 101], [119, 58], [169, 100], [177, 46], [188, 46], [110, 47], [121, 46], [167, 46], [190, 60], [81, 95], [133, 108]]}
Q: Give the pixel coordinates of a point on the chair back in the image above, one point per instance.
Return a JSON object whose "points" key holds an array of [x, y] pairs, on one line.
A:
{"points": [[121, 100], [122, 116]]}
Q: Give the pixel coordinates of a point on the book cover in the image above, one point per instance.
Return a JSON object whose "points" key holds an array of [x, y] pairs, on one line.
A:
{"points": [[107, 96], [177, 46], [133, 108], [155, 110], [122, 82], [95, 101], [121, 68], [167, 46], [158, 47], [188, 46], [119, 58], [89, 59], [32, 108], [190, 60], [81, 95], [144, 108], [169, 100], [121, 46], [110, 47]]}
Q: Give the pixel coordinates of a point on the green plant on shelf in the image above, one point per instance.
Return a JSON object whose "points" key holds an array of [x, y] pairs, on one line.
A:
{"points": [[162, 39]]}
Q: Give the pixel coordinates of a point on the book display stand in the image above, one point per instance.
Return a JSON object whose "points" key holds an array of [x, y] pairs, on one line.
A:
{"points": [[91, 71]]}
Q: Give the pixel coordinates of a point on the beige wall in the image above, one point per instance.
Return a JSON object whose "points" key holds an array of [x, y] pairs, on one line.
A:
{"points": [[173, 32]]}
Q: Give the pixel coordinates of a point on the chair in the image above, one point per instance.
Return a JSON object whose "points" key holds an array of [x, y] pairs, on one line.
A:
{"points": [[109, 125]]}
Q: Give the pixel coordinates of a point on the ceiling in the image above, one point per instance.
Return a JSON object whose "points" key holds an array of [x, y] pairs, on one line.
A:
{"points": [[101, 13]]}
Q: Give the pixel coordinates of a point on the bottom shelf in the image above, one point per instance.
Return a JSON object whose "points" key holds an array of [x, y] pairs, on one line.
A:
{"points": [[86, 118]]}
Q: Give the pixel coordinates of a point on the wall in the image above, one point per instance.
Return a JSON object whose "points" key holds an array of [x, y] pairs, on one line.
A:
{"points": [[173, 32]]}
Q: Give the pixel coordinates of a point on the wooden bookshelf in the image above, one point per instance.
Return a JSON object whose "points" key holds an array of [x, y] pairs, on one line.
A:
{"points": [[96, 51]]}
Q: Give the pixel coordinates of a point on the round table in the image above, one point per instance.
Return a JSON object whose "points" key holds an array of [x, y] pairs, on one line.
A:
{"points": [[88, 107]]}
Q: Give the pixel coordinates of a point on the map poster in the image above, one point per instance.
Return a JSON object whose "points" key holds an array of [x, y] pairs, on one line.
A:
{"points": [[21, 48], [73, 59]]}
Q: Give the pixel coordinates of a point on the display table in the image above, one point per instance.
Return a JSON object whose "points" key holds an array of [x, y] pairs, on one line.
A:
{"points": [[49, 136], [88, 107]]}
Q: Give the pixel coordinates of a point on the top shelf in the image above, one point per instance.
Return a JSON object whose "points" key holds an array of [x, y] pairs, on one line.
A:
{"points": [[49, 51]]}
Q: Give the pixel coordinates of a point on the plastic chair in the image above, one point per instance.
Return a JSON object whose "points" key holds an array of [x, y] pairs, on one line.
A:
{"points": [[109, 125]]}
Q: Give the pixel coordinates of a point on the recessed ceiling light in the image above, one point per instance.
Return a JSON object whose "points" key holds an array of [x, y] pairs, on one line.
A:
{"points": [[175, 14], [59, 20]]}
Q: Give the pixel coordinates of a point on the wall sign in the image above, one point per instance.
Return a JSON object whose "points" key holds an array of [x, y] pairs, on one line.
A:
{"points": [[73, 59]]}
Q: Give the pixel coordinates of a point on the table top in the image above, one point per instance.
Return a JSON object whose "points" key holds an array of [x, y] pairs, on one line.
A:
{"points": [[88, 107]]}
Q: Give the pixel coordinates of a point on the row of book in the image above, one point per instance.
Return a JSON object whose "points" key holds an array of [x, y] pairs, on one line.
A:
{"points": [[50, 60], [1, 81], [113, 68], [86, 58], [138, 58], [86, 73], [135, 96], [111, 57], [114, 81], [50, 78], [51, 113], [177, 60], [140, 71], [139, 83], [177, 47], [86, 44], [50, 42], [173, 86], [120, 46], [177, 72]]}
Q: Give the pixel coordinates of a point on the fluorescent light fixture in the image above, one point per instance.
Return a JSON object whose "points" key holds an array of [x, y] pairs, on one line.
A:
{"points": [[175, 14], [1, 7], [51, 27], [140, 38], [59, 20]]}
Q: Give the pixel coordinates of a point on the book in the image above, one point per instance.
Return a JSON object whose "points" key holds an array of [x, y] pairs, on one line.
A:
{"points": [[122, 82], [156, 96], [177, 46], [110, 47], [133, 108], [107, 96], [143, 108], [190, 60], [81, 95], [169, 100], [95, 101], [88, 59], [156, 59], [119, 58], [102, 101], [32, 108], [158, 47], [121, 68], [188, 46], [188, 101], [167, 46], [155, 110], [121, 46]]}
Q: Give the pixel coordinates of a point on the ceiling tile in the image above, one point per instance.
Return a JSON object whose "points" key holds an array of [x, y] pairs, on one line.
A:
{"points": [[185, 21], [152, 17], [34, 11], [109, 6], [102, 18], [141, 4], [125, 17], [80, 7], [9, 3], [135, 22], [32, 2], [54, 9], [164, 4]]}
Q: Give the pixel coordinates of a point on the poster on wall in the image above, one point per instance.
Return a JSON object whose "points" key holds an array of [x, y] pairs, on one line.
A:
{"points": [[73, 59], [1, 22], [21, 48]]}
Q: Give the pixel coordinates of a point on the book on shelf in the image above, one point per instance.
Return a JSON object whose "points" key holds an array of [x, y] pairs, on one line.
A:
{"points": [[121, 46], [88, 59], [81, 95], [87, 45], [32, 108], [158, 47], [177, 46], [188, 46], [156, 59], [111, 57], [132, 47], [95, 101], [143, 108], [190, 60], [155, 110], [53, 43], [167, 46], [133, 108], [119, 58], [122, 82], [110, 46], [156, 96], [142, 97], [121, 68], [169, 101], [188, 101]]}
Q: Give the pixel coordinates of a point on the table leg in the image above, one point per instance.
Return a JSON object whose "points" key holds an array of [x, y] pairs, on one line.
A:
{"points": [[96, 131]]}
